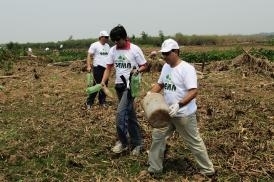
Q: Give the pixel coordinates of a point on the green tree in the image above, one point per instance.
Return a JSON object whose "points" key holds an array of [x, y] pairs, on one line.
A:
{"points": [[161, 35], [144, 36]]}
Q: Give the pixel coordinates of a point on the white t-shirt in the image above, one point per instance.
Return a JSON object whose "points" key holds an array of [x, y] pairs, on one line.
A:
{"points": [[100, 53], [124, 60], [177, 81]]}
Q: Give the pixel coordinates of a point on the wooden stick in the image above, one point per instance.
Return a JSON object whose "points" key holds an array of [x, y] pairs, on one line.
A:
{"points": [[65, 63], [246, 52], [201, 64], [11, 76]]}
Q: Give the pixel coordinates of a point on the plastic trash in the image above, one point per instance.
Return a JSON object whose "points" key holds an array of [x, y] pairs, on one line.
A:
{"points": [[89, 79], [93, 89], [135, 85]]}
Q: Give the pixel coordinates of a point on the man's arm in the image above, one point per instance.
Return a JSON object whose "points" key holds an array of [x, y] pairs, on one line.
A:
{"points": [[89, 62], [156, 88], [142, 68], [106, 74], [191, 94]]}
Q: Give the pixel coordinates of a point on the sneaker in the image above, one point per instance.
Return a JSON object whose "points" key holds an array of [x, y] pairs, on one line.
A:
{"points": [[118, 148], [136, 151], [104, 105], [88, 106]]}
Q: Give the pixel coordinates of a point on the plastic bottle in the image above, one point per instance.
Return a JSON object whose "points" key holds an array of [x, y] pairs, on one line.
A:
{"points": [[89, 79], [135, 84], [93, 89]]}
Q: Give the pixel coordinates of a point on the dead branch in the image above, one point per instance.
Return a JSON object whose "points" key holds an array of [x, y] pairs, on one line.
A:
{"points": [[10, 76], [67, 63], [201, 64], [64, 63], [267, 84], [247, 52]]}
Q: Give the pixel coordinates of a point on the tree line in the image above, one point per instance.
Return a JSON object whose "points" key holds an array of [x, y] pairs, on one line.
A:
{"points": [[145, 39]]}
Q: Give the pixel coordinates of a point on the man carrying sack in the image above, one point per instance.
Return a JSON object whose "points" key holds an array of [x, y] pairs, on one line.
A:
{"points": [[178, 80]]}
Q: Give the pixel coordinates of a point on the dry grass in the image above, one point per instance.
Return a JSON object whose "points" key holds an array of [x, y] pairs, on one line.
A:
{"points": [[46, 135]]}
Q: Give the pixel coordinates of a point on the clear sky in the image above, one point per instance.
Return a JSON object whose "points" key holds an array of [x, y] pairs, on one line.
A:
{"points": [[56, 20]]}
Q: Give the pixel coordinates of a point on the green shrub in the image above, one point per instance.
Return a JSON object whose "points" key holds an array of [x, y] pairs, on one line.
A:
{"points": [[214, 55], [6, 59], [265, 53]]}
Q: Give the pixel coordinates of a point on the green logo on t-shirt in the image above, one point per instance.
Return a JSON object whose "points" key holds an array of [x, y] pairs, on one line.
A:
{"points": [[121, 58], [121, 62], [168, 84], [103, 52]]}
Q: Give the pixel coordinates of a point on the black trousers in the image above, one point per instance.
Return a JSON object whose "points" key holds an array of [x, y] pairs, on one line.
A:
{"points": [[98, 72]]}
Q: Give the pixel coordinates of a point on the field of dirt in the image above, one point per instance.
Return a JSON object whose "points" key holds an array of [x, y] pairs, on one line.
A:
{"points": [[46, 134]]}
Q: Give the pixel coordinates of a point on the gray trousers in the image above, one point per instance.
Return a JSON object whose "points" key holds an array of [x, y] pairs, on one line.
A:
{"points": [[187, 128]]}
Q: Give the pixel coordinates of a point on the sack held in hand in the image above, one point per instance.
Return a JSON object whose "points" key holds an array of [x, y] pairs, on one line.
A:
{"points": [[93, 89], [89, 79], [156, 110]]}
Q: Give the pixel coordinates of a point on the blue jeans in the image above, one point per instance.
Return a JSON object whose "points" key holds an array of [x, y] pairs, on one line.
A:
{"points": [[126, 120]]}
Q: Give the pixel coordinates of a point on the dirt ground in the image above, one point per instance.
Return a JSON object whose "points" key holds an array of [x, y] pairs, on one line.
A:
{"points": [[47, 134]]}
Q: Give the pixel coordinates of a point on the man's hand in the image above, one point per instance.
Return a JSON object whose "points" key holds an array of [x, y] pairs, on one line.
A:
{"points": [[148, 93], [103, 84], [173, 109], [134, 72], [89, 68]]}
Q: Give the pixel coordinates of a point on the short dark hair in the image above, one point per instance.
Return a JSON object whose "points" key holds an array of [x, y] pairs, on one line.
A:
{"points": [[117, 33]]}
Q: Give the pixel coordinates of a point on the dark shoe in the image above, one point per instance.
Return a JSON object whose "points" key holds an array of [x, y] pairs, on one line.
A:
{"points": [[146, 174], [212, 176], [155, 175], [205, 177]]}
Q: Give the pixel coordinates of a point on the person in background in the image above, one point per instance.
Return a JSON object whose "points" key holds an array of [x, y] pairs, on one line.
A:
{"points": [[96, 63], [178, 80], [124, 56], [152, 55]]}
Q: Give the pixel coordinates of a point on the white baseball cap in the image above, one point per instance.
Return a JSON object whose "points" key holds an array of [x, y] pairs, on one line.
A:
{"points": [[168, 45], [103, 34]]}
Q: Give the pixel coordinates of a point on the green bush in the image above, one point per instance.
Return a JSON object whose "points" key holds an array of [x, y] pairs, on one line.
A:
{"points": [[65, 55], [265, 53], [214, 55], [6, 59]]}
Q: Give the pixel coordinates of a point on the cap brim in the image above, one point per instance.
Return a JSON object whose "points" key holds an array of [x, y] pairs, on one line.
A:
{"points": [[165, 50]]}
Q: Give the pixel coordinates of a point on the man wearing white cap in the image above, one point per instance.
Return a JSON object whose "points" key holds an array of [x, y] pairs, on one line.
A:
{"points": [[98, 52], [178, 80]]}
